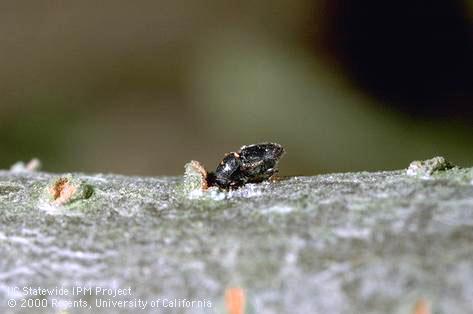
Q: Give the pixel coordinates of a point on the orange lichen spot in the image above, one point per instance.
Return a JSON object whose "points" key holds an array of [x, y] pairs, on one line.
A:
{"points": [[235, 300], [62, 191], [421, 307]]}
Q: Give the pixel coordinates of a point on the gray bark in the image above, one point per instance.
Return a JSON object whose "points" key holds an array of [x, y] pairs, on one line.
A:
{"points": [[335, 243]]}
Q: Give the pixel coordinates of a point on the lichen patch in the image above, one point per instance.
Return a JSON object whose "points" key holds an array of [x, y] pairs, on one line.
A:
{"points": [[32, 166], [62, 191], [67, 189], [195, 176], [426, 168]]}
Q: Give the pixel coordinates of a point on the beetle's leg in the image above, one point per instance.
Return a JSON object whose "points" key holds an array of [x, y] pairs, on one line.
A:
{"points": [[211, 179], [274, 174]]}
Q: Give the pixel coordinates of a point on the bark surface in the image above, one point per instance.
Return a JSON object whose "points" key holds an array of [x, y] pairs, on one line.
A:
{"points": [[336, 243]]}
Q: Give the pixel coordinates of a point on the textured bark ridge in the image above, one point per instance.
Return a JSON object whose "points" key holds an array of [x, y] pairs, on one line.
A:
{"points": [[381, 242]]}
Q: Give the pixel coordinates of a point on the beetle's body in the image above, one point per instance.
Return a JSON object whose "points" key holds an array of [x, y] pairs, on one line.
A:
{"points": [[228, 172], [251, 164]]}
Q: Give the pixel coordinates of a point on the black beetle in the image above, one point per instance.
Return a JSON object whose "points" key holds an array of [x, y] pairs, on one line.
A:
{"points": [[251, 164]]}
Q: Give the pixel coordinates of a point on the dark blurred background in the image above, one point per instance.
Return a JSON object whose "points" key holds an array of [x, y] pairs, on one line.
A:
{"points": [[141, 87]]}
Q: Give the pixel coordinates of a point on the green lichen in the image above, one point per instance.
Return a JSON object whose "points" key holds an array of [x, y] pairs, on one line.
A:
{"points": [[195, 177], [428, 167]]}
